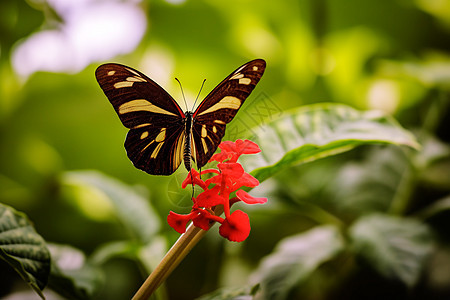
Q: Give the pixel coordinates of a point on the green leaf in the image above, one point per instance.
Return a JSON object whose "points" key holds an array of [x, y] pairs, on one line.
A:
{"points": [[71, 276], [436, 208], [317, 131], [23, 248], [132, 209], [396, 247], [295, 258], [115, 249], [228, 293], [370, 183], [433, 162], [432, 71], [433, 151]]}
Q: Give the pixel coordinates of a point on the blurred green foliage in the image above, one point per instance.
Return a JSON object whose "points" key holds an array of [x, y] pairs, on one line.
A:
{"points": [[63, 164]]}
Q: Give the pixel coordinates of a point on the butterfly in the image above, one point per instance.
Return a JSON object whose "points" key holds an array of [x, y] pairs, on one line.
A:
{"points": [[161, 136]]}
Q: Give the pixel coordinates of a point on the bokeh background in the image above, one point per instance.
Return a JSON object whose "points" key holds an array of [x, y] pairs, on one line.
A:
{"points": [[390, 55]]}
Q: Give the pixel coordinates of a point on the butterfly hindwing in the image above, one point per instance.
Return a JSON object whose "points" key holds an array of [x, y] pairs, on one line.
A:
{"points": [[155, 120], [206, 136], [156, 149], [220, 106]]}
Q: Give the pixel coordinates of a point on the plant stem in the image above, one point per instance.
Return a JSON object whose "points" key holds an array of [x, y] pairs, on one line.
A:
{"points": [[172, 259]]}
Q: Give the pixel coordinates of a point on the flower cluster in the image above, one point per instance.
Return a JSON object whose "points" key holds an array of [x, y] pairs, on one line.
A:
{"points": [[229, 177]]}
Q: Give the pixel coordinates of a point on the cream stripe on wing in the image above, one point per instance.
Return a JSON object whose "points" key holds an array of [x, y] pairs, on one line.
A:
{"points": [[245, 81], [193, 148], [156, 151], [144, 135], [237, 76], [134, 72], [142, 125], [178, 153], [161, 136], [136, 79], [143, 149], [204, 132], [229, 102], [129, 81], [205, 147], [122, 84], [142, 105]]}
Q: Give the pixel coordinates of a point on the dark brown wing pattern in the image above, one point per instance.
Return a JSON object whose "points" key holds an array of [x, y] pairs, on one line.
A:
{"points": [[220, 107], [155, 141]]}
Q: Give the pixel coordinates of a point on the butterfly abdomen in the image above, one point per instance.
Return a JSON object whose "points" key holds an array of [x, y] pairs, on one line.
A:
{"points": [[187, 143]]}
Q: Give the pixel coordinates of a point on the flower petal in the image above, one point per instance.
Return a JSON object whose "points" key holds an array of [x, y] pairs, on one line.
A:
{"points": [[234, 170], [194, 177], [246, 180], [247, 198], [247, 147], [216, 179], [220, 157], [228, 146], [210, 198], [236, 227], [204, 219], [201, 221], [178, 222], [207, 171]]}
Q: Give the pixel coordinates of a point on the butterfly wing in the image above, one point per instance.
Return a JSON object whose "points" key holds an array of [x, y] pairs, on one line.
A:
{"points": [[155, 141], [220, 106], [157, 150]]}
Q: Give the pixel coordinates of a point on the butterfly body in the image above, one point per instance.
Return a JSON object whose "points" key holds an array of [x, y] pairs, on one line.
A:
{"points": [[187, 140], [161, 135]]}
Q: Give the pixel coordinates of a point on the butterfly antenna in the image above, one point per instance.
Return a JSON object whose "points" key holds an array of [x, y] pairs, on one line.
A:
{"points": [[199, 93], [184, 98]]}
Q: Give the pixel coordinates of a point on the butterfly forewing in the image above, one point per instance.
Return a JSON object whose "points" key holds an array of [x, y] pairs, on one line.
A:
{"points": [[135, 97], [220, 107], [154, 142]]}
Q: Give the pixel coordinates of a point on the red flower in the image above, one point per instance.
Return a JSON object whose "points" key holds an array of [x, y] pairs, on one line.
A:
{"points": [[229, 177], [245, 197], [236, 227], [178, 222], [232, 151]]}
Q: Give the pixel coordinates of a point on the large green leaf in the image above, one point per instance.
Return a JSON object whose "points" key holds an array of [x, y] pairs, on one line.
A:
{"points": [[317, 131], [23, 248], [295, 258], [149, 254], [371, 183], [396, 247], [132, 208], [236, 293]]}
